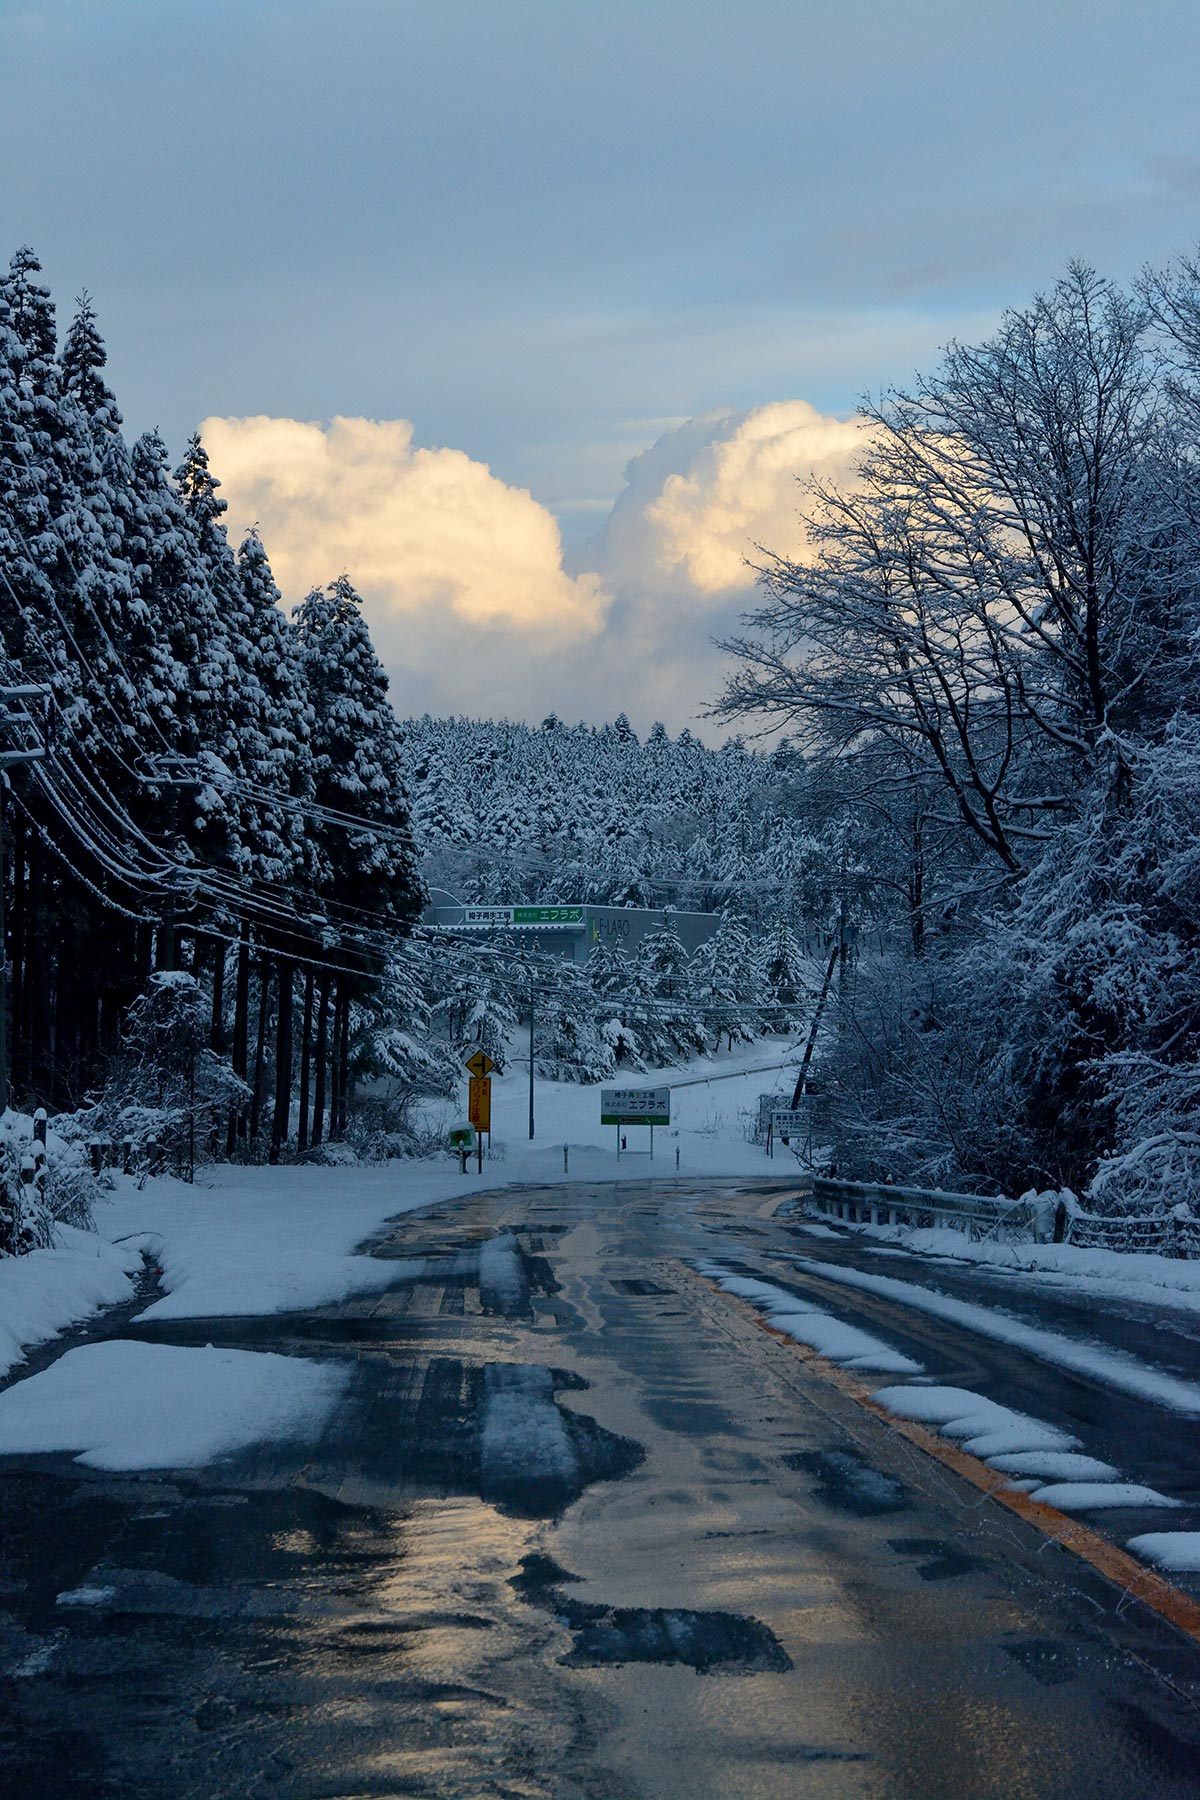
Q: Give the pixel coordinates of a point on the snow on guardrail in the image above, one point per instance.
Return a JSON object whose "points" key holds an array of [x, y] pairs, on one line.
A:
{"points": [[1055, 1216]]}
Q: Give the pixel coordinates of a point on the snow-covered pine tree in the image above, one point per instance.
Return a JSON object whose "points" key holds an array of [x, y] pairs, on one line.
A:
{"points": [[358, 769], [570, 1043], [785, 981], [725, 981], [358, 760]]}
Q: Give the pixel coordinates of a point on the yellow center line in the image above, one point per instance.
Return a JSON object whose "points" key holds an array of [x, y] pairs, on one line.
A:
{"points": [[1116, 1565]]}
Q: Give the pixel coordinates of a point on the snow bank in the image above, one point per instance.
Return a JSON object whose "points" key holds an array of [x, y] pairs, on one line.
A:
{"points": [[1141, 1276], [47, 1290], [1111, 1367], [1015, 1445], [1179, 1550], [1054, 1465], [255, 1241], [807, 1324], [125, 1405], [986, 1428], [1084, 1496]]}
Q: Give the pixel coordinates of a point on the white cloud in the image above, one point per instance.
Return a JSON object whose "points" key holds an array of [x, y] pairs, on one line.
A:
{"points": [[469, 598], [419, 531], [699, 501]]}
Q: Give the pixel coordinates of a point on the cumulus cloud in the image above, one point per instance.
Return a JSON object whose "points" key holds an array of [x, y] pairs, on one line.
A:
{"points": [[418, 530], [470, 598], [698, 502]]}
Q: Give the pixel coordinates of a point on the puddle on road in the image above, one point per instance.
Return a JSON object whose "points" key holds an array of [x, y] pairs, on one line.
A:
{"points": [[844, 1481], [940, 1561], [610, 1636], [293, 1646], [491, 1430]]}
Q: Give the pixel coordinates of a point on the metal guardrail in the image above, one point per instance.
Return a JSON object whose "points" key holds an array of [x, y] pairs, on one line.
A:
{"points": [[879, 1203], [1174, 1233], [1043, 1218]]}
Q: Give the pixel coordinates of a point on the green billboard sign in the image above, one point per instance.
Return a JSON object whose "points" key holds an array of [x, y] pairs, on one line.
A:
{"points": [[547, 915]]}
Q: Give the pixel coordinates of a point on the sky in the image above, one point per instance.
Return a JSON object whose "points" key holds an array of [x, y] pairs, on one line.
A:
{"points": [[530, 314]]}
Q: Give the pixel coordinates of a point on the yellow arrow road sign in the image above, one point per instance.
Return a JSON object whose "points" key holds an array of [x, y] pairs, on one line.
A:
{"points": [[479, 1064]]}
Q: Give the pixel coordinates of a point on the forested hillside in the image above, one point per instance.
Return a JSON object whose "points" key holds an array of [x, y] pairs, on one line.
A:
{"points": [[509, 812]]}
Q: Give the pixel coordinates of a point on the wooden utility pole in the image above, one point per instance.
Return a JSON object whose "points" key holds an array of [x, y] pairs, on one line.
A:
{"points": [[321, 1057], [9, 758], [305, 1061], [283, 1062], [531, 1000]]}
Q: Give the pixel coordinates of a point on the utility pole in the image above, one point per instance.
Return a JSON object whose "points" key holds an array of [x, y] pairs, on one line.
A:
{"points": [[174, 772], [531, 980], [8, 758]]}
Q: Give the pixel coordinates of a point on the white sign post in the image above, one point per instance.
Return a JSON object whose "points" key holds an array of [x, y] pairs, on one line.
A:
{"points": [[635, 1106], [786, 1123]]}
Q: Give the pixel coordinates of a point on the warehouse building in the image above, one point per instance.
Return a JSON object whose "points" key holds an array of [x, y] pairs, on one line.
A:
{"points": [[571, 931]]}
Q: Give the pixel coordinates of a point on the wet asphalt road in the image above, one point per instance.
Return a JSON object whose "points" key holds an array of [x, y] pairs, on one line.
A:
{"points": [[581, 1529]]}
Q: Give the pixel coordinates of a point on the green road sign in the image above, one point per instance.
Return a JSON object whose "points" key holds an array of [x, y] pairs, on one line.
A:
{"points": [[547, 915]]}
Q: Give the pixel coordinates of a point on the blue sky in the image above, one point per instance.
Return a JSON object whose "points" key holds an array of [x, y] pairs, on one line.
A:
{"points": [[547, 233]]}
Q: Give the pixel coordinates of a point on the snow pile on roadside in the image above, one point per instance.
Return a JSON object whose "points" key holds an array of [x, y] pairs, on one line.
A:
{"points": [[808, 1324], [1083, 1496], [42, 1293], [1014, 1444], [1135, 1275], [1111, 1367], [125, 1405], [1178, 1550], [984, 1427], [1041, 1459], [255, 1241]]}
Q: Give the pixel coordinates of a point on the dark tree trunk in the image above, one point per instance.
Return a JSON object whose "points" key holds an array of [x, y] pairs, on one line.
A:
{"points": [[305, 1061], [335, 1039], [322, 1061], [344, 1071], [283, 1063], [260, 1049], [241, 1037], [216, 1036], [18, 1067], [41, 1057], [340, 1048]]}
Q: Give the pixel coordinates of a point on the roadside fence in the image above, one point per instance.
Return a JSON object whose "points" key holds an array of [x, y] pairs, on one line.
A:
{"points": [[1052, 1217], [881, 1203]]}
